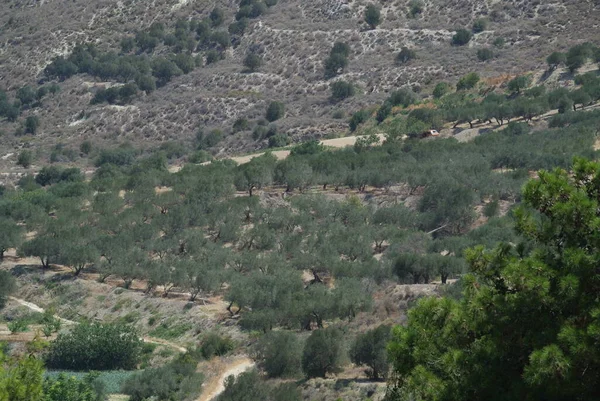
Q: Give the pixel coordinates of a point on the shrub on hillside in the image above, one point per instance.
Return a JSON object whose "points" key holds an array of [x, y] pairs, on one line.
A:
{"points": [[415, 8], [405, 55], [25, 158], [279, 354], [7, 286], [369, 349], [322, 352], [95, 346], [441, 89], [372, 16], [177, 381], [485, 54], [479, 25], [252, 62], [279, 140], [341, 90], [249, 386], [461, 37], [468, 81], [358, 118], [215, 345], [275, 111]]}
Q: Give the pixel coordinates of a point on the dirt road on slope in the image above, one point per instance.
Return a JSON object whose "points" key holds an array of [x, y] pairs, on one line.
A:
{"points": [[282, 154], [215, 385]]}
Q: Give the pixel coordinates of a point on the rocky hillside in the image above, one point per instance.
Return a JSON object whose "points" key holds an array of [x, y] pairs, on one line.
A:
{"points": [[293, 38]]}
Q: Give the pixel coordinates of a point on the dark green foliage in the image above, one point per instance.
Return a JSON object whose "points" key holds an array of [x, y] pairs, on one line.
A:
{"points": [[279, 140], [238, 27], [369, 349], [322, 352], [337, 60], [176, 381], [468, 81], [516, 85], [358, 118], [275, 111], [119, 157], [485, 54], [120, 95], [85, 147], [406, 55], [146, 42], [212, 56], [221, 39], [7, 286], [461, 37], [307, 148], [372, 16], [556, 59], [200, 156], [209, 140], [25, 158], [415, 8], [164, 70], [241, 124], [95, 346], [479, 25], [499, 42], [441, 89], [491, 209], [341, 48], [253, 61], [279, 354], [217, 16], [32, 123], [250, 387], [402, 97], [259, 132], [10, 236], [70, 388], [538, 343], [341, 90], [255, 174], [578, 55], [61, 69], [580, 97], [515, 128], [26, 95], [215, 345], [383, 112], [127, 44], [52, 175], [335, 64]]}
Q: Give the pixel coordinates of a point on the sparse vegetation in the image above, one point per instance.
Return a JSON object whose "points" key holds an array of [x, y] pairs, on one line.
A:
{"points": [[296, 256]]}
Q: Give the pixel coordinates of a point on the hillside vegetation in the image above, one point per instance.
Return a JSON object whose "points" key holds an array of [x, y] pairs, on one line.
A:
{"points": [[196, 55], [449, 253]]}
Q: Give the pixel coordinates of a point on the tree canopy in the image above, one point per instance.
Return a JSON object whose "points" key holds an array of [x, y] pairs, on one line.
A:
{"points": [[526, 325]]}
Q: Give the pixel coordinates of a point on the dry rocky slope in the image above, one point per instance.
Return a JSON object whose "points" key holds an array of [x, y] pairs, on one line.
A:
{"points": [[295, 37]]}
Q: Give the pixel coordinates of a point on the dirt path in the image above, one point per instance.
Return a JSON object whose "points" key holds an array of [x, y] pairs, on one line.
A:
{"points": [[150, 340], [215, 385], [282, 154]]}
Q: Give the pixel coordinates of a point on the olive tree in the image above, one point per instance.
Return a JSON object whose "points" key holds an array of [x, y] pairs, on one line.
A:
{"points": [[322, 352], [369, 349]]}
